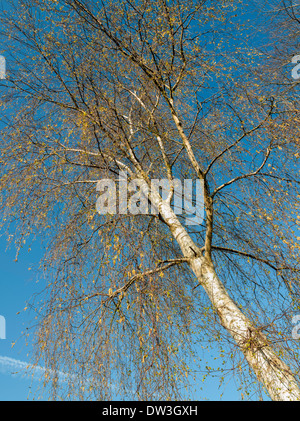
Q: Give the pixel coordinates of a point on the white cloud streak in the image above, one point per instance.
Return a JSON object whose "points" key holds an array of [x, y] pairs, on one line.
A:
{"points": [[16, 367]]}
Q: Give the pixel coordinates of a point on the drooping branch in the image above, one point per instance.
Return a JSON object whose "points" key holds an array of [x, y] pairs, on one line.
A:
{"points": [[241, 177]]}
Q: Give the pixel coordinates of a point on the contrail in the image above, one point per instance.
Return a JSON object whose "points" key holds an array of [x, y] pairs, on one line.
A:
{"points": [[16, 367]]}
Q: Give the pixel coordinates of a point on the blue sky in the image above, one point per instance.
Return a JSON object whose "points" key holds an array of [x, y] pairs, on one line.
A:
{"points": [[17, 285]]}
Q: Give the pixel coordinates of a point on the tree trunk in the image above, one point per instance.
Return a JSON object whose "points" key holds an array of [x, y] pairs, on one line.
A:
{"points": [[267, 366]]}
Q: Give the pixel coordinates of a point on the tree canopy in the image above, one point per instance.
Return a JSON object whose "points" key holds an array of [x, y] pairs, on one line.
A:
{"points": [[172, 90]]}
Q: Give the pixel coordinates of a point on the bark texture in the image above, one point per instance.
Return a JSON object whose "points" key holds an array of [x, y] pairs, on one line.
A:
{"points": [[267, 366]]}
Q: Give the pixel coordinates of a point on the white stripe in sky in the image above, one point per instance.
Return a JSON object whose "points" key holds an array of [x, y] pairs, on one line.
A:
{"points": [[16, 367]]}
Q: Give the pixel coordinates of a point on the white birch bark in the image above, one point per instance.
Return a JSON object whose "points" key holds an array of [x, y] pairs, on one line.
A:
{"points": [[267, 366]]}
